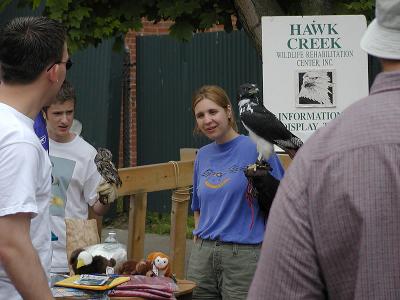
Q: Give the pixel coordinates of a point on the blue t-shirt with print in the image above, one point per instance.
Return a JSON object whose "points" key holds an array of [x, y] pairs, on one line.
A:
{"points": [[39, 126], [219, 192]]}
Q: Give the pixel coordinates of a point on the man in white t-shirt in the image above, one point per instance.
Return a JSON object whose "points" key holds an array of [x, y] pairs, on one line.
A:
{"points": [[76, 181], [33, 56]]}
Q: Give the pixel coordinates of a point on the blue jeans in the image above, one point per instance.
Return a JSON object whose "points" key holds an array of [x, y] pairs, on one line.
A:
{"points": [[222, 270]]}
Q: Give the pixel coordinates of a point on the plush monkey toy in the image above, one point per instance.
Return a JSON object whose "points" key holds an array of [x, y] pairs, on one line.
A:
{"points": [[159, 264]]}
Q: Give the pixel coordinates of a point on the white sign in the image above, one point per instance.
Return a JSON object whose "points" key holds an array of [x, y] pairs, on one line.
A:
{"points": [[313, 68]]}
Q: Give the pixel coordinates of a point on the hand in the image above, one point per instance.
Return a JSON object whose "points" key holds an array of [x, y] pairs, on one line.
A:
{"points": [[107, 193]]}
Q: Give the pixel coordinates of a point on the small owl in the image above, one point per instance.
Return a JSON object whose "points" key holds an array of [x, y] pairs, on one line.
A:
{"points": [[106, 167]]}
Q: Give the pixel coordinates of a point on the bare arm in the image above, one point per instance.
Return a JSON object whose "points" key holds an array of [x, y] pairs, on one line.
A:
{"points": [[20, 259], [100, 209]]}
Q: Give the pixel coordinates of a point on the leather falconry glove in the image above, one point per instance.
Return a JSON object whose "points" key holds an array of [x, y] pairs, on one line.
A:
{"points": [[107, 192]]}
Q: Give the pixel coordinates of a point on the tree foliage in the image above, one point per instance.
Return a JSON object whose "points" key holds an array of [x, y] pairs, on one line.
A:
{"points": [[90, 21]]}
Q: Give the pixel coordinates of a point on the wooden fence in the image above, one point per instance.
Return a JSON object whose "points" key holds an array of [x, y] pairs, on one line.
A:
{"points": [[137, 182], [175, 176]]}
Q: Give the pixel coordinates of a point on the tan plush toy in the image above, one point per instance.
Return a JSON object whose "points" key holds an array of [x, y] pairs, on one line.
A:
{"points": [[131, 267], [128, 268], [156, 264]]}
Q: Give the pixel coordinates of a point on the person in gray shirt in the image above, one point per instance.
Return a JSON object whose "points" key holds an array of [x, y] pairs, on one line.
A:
{"points": [[334, 227]]}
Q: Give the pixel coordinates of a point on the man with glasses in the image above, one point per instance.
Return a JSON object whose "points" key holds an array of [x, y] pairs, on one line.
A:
{"points": [[68, 64], [32, 55]]}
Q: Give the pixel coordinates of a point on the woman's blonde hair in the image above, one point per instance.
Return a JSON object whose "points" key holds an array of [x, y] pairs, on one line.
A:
{"points": [[217, 95]]}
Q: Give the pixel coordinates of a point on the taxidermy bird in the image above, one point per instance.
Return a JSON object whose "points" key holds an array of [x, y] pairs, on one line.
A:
{"points": [[83, 262], [263, 127], [316, 86], [106, 168]]}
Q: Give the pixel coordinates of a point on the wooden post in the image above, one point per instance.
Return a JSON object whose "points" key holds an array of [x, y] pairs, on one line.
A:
{"points": [[158, 177], [188, 153], [285, 160], [179, 215], [136, 226]]}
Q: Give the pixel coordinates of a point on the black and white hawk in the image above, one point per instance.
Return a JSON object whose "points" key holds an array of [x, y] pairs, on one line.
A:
{"points": [[265, 130], [263, 127]]}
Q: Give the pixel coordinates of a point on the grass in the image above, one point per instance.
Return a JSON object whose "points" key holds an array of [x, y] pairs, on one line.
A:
{"points": [[156, 223]]}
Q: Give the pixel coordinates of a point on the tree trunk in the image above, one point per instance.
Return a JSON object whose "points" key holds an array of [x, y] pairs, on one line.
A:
{"points": [[251, 11], [316, 7]]}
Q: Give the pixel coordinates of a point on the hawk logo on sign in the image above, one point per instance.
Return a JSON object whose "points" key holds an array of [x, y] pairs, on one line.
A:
{"points": [[316, 88]]}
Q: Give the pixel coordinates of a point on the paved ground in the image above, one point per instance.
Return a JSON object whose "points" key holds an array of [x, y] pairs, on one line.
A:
{"points": [[152, 242]]}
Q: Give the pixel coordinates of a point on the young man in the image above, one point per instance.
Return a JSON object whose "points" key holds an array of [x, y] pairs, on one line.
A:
{"points": [[334, 227], [33, 54], [76, 181]]}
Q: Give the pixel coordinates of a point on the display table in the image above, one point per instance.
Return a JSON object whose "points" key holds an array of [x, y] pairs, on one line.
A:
{"points": [[185, 288]]}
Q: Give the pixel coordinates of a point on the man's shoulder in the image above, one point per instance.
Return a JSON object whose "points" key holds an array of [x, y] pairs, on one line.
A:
{"points": [[79, 145], [85, 144], [364, 123], [77, 149], [15, 131]]}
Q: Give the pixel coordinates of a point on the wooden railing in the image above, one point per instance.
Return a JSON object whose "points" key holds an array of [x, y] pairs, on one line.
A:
{"points": [[175, 176], [137, 182]]}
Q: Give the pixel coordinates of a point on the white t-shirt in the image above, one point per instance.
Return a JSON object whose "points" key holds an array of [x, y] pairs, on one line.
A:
{"points": [[25, 182], [75, 179]]}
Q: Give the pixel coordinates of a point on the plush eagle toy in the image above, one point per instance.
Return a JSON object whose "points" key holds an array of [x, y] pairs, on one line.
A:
{"points": [[82, 262]]}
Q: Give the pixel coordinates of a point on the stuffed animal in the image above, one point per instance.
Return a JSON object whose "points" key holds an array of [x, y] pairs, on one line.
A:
{"points": [[159, 264], [128, 268], [83, 262], [156, 264], [144, 267], [131, 267]]}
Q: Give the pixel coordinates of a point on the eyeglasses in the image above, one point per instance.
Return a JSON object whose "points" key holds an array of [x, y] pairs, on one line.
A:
{"points": [[68, 64]]}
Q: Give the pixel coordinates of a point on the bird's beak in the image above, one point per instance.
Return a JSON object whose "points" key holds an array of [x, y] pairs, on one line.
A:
{"points": [[80, 263], [254, 91]]}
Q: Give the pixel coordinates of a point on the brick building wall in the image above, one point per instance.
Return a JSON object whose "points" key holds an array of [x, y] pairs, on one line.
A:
{"points": [[148, 28]]}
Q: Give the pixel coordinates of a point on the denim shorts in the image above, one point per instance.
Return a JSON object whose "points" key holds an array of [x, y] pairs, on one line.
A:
{"points": [[222, 270]]}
